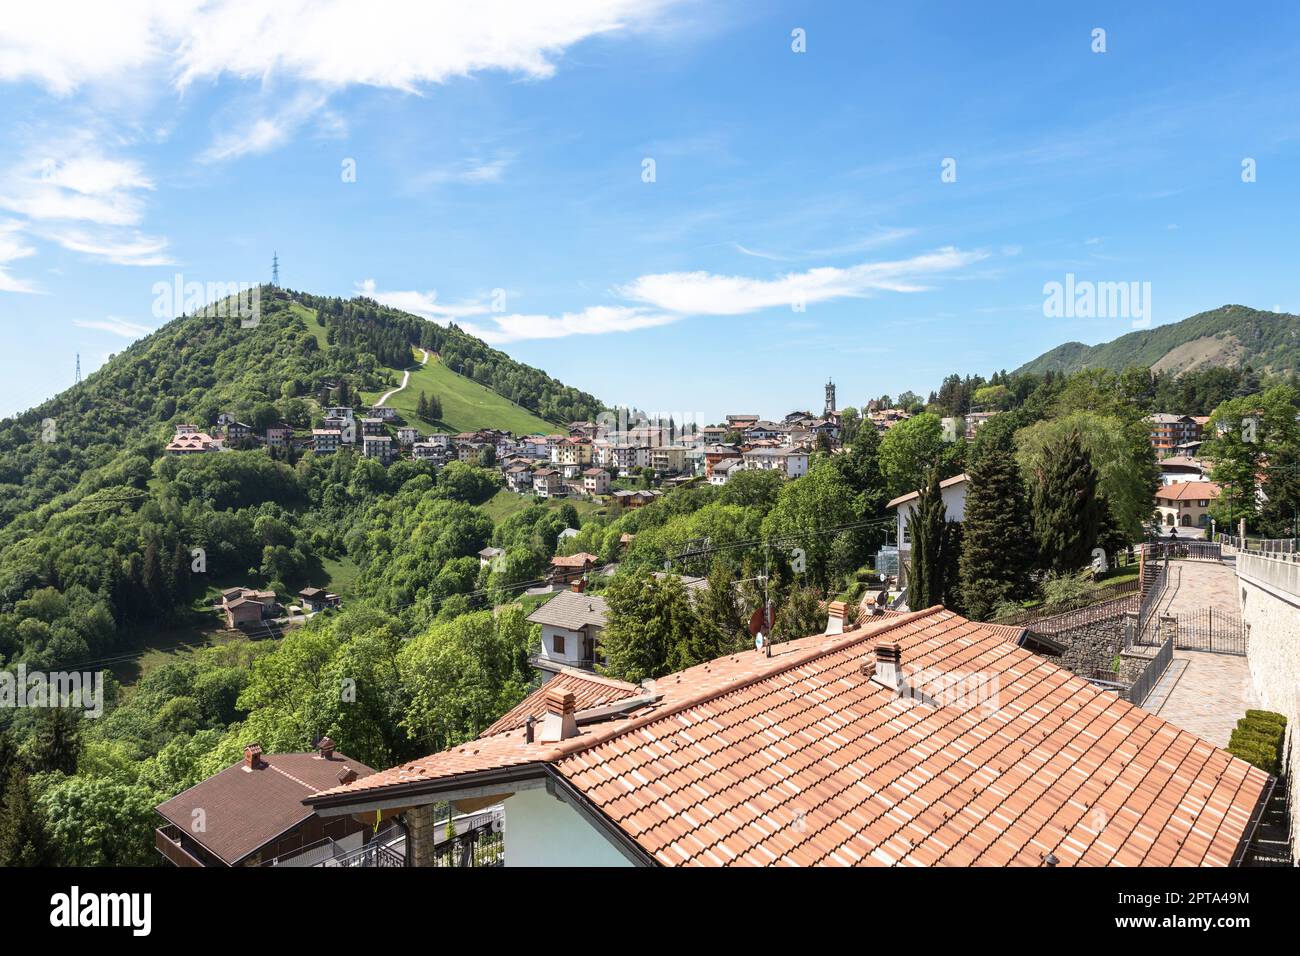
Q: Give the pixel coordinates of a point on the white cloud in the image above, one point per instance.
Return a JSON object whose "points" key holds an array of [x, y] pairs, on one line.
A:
{"points": [[133, 249], [128, 330], [670, 297], [469, 171], [265, 133], [593, 320], [704, 293], [397, 44], [12, 247], [422, 303]]}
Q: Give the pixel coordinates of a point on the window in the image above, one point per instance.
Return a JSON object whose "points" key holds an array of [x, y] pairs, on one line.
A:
{"points": [[559, 643], [1204, 503]]}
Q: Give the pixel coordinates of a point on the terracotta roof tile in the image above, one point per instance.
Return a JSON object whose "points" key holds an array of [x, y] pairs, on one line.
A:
{"points": [[800, 759]]}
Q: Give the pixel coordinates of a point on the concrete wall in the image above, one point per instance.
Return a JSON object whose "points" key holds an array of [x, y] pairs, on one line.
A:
{"points": [[543, 831], [1269, 596]]}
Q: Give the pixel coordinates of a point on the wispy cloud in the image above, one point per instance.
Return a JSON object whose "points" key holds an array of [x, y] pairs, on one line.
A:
{"points": [[671, 297], [12, 248], [123, 249], [468, 171], [127, 330], [704, 293], [593, 320]]}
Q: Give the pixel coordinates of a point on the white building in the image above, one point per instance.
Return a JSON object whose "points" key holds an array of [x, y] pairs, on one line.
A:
{"points": [[571, 624], [953, 491]]}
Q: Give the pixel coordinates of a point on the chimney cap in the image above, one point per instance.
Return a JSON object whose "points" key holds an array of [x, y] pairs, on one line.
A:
{"points": [[252, 750], [326, 746], [347, 775], [560, 700]]}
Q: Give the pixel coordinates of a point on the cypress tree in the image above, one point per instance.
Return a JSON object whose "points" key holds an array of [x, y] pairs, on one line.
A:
{"points": [[1066, 509], [996, 552], [927, 528]]}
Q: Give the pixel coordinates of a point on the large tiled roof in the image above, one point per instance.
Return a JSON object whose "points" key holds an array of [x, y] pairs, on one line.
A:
{"points": [[246, 809], [802, 759]]}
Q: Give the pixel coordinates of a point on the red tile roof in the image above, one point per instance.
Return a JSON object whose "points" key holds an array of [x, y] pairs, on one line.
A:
{"points": [[801, 759], [1185, 490], [589, 690]]}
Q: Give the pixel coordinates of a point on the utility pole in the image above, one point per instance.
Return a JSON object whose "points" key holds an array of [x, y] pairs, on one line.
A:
{"points": [[275, 269], [78, 368]]}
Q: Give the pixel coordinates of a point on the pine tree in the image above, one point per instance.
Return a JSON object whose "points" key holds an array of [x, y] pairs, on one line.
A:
{"points": [[1066, 509], [435, 409], [23, 841], [996, 553], [422, 407]]}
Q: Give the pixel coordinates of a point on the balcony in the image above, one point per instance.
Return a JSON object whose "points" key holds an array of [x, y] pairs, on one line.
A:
{"points": [[167, 840]]}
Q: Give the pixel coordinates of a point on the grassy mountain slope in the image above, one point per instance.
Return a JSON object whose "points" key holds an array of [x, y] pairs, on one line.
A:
{"points": [[466, 405], [1233, 335]]}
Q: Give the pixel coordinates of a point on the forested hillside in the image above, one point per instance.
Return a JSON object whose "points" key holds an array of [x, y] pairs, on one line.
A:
{"points": [[1232, 336]]}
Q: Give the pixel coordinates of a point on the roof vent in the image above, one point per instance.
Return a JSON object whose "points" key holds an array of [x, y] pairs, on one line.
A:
{"points": [[326, 748], [558, 722], [347, 775], [888, 673]]}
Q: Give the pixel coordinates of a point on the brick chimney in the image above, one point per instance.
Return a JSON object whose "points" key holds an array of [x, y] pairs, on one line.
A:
{"points": [[836, 617], [579, 585], [252, 756], [558, 723], [326, 748], [888, 673]]}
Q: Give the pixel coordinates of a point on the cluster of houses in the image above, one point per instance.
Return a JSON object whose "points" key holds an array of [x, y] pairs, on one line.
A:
{"points": [[250, 607]]}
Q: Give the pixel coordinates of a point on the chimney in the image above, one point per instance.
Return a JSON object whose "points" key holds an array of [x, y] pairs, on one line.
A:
{"points": [[252, 756], [558, 722], [579, 585], [530, 729], [888, 660], [326, 748], [347, 775], [837, 616]]}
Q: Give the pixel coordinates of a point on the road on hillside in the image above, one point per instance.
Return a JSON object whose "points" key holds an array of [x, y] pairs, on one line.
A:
{"points": [[406, 377]]}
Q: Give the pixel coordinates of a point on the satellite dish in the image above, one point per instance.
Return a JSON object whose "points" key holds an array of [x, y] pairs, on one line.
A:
{"points": [[759, 641]]}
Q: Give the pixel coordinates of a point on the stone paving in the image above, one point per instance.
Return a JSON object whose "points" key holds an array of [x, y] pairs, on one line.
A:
{"points": [[1203, 692]]}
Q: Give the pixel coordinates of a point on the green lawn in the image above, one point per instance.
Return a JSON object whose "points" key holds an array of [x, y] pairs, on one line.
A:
{"points": [[312, 322], [342, 574], [466, 405]]}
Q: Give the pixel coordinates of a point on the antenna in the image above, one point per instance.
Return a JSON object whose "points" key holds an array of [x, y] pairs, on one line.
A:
{"points": [[78, 368], [275, 269]]}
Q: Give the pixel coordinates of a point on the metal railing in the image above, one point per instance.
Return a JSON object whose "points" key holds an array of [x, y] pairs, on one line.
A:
{"points": [[1141, 688], [1153, 589], [1184, 550], [1046, 614]]}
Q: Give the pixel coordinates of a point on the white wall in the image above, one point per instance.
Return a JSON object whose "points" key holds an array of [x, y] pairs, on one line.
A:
{"points": [[1269, 594], [954, 503], [543, 831]]}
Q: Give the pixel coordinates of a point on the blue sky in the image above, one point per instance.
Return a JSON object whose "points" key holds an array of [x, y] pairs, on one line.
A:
{"points": [[500, 155]]}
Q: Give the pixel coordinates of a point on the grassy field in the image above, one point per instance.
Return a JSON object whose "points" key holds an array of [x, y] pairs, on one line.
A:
{"points": [[466, 405], [313, 323], [342, 575]]}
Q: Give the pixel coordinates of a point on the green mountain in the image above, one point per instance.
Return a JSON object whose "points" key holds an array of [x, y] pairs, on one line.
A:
{"points": [[1232, 336], [305, 352]]}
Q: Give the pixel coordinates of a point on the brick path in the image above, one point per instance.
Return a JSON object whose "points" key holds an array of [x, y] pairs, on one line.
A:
{"points": [[1203, 692]]}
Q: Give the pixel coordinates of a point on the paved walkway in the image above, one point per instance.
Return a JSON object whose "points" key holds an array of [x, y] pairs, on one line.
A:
{"points": [[1207, 694], [1201, 691], [1199, 584]]}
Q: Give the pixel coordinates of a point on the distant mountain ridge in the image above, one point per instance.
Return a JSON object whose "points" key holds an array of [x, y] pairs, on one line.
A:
{"points": [[1233, 336]]}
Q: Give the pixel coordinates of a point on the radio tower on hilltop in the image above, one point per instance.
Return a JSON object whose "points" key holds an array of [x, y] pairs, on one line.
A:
{"points": [[78, 368], [275, 269]]}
